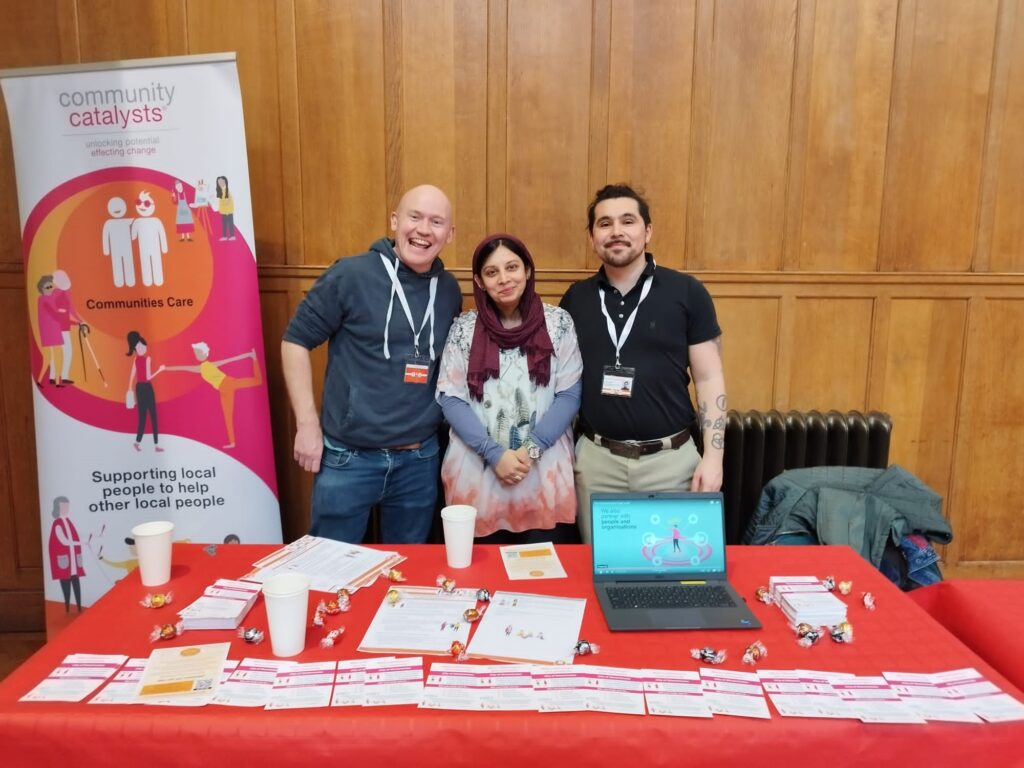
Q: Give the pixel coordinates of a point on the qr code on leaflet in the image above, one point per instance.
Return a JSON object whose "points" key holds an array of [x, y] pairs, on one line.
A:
{"points": [[203, 684]]}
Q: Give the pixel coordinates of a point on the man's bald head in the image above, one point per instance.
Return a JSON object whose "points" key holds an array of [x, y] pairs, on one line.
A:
{"points": [[422, 224]]}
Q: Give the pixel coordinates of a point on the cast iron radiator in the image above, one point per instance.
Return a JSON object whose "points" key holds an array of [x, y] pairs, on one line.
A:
{"points": [[760, 445]]}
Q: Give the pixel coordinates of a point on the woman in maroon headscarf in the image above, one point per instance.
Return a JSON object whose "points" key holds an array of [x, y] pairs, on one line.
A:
{"points": [[509, 385]]}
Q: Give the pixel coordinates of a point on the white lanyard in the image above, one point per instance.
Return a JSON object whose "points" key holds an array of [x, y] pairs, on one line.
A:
{"points": [[619, 341], [396, 287]]}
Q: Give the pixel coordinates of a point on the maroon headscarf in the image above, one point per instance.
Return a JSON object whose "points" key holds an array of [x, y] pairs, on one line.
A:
{"points": [[490, 336]]}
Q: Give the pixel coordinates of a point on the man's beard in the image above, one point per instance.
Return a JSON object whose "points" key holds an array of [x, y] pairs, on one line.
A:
{"points": [[623, 258]]}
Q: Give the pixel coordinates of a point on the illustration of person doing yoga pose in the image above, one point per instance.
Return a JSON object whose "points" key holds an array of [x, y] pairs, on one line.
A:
{"points": [[225, 384]]}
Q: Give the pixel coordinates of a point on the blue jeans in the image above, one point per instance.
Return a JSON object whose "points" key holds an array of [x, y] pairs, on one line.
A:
{"points": [[352, 480]]}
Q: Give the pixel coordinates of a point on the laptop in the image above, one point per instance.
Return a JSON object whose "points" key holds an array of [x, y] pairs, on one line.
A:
{"points": [[659, 562]]}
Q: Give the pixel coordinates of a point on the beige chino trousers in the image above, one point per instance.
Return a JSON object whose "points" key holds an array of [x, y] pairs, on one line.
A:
{"points": [[598, 470]]}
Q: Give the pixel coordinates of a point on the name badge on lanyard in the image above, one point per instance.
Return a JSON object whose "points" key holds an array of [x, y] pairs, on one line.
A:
{"points": [[417, 366], [618, 379], [417, 369]]}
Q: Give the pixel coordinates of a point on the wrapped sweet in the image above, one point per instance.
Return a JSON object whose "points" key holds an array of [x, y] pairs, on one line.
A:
{"points": [[458, 650], [829, 583], [586, 648], [755, 652], [166, 631], [842, 632], [157, 600], [251, 635], [446, 584], [807, 635], [483, 595], [318, 615], [869, 601], [472, 614], [845, 587], [764, 595], [394, 575], [708, 655], [345, 599], [393, 596], [332, 637], [331, 607]]}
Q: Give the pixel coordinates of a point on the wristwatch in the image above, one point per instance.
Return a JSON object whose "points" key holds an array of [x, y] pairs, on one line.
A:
{"points": [[533, 450]]}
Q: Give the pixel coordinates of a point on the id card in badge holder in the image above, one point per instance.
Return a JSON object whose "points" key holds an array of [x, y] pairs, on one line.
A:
{"points": [[417, 369], [618, 382]]}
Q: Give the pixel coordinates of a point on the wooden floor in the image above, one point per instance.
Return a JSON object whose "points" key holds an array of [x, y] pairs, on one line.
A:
{"points": [[15, 647]]}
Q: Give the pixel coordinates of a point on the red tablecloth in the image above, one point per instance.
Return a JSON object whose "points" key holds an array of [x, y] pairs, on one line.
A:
{"points": [[987, 615], [898, 636]]}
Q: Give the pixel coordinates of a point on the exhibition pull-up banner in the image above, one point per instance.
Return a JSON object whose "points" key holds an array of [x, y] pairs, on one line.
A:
{"points": [[148, 373]]}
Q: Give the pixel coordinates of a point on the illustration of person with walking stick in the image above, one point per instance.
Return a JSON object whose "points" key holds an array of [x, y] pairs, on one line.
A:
{"points": [[67, 316], [50, 338]]}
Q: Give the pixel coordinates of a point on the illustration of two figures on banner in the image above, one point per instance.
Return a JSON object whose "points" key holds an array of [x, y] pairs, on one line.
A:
{"points": [[121, 232]]}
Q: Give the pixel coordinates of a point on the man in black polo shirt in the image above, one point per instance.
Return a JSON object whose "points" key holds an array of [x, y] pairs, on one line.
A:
{"points": [[640, 327]]}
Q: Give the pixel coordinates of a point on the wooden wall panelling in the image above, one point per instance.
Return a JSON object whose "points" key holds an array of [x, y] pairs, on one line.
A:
{"points": [[291, 154], [230, 25], [987, 519], [829, 353], [839, 189], [1001, 233], [111, 30], [339, 49], [393, 98], [470, 29], [749, 340], [31, 36], [278, 299], [436, 109], [497, 115], [651, 74], [548, 110], [920, 384], [38, 34], [21, 569], [803, 54], [423, 109], [600, 117], [742, 86], [933, 167]]}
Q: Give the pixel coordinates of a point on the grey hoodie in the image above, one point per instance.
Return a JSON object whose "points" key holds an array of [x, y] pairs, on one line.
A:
{"points": [[366, 402]]}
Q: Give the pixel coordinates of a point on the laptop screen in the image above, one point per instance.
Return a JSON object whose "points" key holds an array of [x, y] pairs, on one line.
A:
{"points": [[658, 534]]}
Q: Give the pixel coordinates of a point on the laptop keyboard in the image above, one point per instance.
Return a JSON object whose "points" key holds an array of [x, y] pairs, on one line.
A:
{"points": [[670, 596]]}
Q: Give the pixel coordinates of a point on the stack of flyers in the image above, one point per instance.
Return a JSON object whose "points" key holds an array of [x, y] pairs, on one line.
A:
{"points": [[804, 600], [222, 605]]}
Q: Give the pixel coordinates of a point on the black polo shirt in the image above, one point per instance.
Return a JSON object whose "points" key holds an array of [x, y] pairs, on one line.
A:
{"points": [[677, 313]]}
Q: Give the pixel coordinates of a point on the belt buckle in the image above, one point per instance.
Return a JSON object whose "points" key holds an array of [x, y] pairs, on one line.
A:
{"points": [[630, 450]]}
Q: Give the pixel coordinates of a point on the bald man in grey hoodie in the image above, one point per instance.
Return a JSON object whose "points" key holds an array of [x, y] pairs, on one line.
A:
{"points": [[385, 316]]}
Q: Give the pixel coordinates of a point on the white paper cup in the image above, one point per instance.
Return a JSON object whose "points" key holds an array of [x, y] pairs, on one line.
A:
{"points": [[459, 522], [153, 546], [287, 596]]}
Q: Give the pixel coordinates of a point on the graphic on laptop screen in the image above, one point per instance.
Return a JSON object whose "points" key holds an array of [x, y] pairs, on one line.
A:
{"points": [[635, 536]]}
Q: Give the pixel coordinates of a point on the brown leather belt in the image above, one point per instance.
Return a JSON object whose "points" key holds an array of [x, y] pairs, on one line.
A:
{"points": [[406, 447], [634, 449]]}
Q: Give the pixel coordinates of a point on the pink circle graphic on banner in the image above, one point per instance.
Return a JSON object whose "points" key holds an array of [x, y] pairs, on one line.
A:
{"points": [[128, 249]]}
